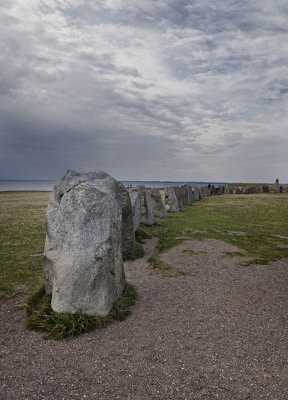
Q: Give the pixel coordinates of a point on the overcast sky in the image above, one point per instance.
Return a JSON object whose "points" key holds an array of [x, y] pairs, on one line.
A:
{"points": [[144, 89]]}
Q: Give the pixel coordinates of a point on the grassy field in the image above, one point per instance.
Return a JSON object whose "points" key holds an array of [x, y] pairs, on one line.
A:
{"points": [[247, 221], [256, 223], [22, 233]]}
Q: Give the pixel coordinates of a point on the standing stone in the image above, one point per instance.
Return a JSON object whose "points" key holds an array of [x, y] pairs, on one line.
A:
{"points": [[184, 194], [265, 189], [196, 193], [83, 251], [178, 195], [250, 190], [159, 209], [211, 190], [228, 190], [189, 193], [204, 191], [147, 216], [239, 190], [162, 192], [171, 203], [128, 233], [276, 186], [136, 207]]}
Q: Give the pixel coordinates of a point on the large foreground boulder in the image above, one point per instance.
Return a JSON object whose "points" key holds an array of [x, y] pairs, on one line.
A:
{"points": [[128, 233], [147, 215], [83, 252], [171, 202], [136, 206], [159, 209]]}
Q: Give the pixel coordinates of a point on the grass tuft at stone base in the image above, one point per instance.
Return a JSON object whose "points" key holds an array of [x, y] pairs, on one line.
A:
{"points": [[138, 253], [41, 317]]}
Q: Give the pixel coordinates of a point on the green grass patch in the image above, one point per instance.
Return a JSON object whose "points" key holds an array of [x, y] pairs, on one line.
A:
{"points": [[234, 254], [141, 235], [22, 232], [259, 216], [138, 253], [40, 316], [157, 263]]}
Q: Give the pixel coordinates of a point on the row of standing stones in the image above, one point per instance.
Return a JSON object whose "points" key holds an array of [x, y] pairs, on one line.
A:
{"points": [[91, 223]]}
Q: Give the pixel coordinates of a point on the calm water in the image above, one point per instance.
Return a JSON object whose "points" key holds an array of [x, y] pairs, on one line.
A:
{"points": [[48, 185]]}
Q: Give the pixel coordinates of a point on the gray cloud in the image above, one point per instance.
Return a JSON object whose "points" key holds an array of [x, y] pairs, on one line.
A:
{"points": [[146, 90]]}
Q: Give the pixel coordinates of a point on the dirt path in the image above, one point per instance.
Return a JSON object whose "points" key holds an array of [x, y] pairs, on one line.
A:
{"points": [[217, 332]]}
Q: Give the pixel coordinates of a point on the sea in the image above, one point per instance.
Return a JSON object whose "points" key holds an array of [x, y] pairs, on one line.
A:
{"points": [[44, 185]]}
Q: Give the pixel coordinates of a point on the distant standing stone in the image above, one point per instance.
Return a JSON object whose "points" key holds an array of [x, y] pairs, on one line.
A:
{"points": [[178, 195], [136, 207], [128, 233], [276, 186], [83, 252], [184, 194], [171, 202], [204, 191], [196, 193], [250, 190], [147, 215], [265, 189], [159, 209], [189, 193]]}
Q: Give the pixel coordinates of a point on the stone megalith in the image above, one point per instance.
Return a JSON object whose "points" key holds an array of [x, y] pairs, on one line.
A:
{"points": [[277, 186], [211, 190], [147, 216], [228, 190], [128, 233], [136, 207], [250, 190], [171, 203], [184, 194], [204, 191], [189, 193], [178, 195], [196, 192], [159, 209], [83, 251], [265, 189]]}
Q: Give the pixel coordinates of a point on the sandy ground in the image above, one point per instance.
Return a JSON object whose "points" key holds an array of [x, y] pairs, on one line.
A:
{"points": [[217, 332]]}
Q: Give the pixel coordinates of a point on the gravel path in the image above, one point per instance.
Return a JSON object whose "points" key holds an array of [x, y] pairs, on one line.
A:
{"points": [[217, 332]]}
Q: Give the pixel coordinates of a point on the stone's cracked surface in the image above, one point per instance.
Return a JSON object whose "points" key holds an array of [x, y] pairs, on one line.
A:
{"points": [[83, 253], [171, 202], [128, 233], [136, 207], [147, 216], [159, 209]]}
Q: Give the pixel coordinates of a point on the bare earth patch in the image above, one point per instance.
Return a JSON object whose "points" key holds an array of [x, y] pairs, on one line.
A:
{"points": [[192, 230], [236, 233], [217, 332], [280, 236]]}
